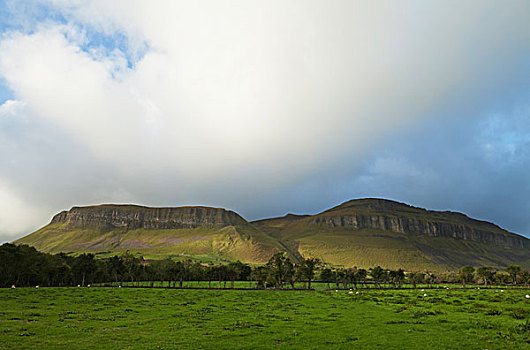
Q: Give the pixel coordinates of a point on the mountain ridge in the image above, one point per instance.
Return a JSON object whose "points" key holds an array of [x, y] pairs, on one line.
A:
{"points": [[358, 232], [134, 216]]}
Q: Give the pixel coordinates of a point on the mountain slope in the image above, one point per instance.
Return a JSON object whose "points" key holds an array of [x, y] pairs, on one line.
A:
{"points": [[362, 232], [369, 232], [199, 232]]}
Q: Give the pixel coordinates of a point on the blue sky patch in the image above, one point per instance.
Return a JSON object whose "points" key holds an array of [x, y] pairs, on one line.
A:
{"points": [[107, 43], [5, 92], [25, 16]]}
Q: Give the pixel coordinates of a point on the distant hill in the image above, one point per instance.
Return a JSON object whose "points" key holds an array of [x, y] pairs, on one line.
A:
{"points": [[361, 232]]}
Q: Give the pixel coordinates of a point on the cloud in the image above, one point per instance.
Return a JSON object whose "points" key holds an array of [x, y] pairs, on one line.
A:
{"points": [[170, 103], [14, 214], [479, 167]]}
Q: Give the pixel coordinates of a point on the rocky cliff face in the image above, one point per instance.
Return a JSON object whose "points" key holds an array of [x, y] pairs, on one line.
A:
{"points": [[490, 234], [332, 236], [130, 217]]}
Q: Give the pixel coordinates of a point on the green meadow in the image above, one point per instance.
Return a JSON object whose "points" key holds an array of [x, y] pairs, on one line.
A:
{"points": [[143, 318]]}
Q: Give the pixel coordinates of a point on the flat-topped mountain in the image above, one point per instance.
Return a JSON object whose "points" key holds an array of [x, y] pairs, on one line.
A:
{"points": [[133, 217], [361, 232], [198, 232]]}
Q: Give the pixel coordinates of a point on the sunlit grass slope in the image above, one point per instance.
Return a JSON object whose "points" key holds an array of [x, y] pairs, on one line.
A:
{"points": [[210, 244], [329, 237], [363, 233]]}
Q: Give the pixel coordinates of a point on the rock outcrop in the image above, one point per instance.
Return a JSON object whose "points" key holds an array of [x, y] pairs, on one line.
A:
{"points": [[362, 233], [131, 217], [399, 217], [412, 226]]}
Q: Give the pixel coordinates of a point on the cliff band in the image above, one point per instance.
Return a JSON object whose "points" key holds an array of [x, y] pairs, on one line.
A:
{"points": [[363, 233]]}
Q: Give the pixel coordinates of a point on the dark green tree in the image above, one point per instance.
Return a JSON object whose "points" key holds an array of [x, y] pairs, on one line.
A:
{"points": [[513, 270], [290, 272], [360, 275], [485, 274], [83, 268], [525, 276], [277, 269], [467, 274], [397, 277], [308, 270], [115, 268], [326, 275], [259, 274], [131, 265], [378, 275]]}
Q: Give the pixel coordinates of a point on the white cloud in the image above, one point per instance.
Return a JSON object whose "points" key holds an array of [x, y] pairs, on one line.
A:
{"points": [[226, 101], [16, 216]]}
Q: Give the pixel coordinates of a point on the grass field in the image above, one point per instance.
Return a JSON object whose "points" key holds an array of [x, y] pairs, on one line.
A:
{"points": [[112, 318]]}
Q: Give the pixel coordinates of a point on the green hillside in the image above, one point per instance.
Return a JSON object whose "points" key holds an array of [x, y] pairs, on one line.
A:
{"points": [[209, 244], [209, 237], [362, 233], [382, 241]]}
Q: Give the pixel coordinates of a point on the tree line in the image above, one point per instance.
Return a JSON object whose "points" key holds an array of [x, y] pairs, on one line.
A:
{"points": [[379, 277], [22, 265]]}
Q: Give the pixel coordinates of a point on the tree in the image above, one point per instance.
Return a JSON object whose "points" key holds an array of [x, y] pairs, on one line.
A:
{"points": [[352, 276], [326, 275], [170, 271], [338, 277], [243, 271], [397, 277], [84, 267], [115, 268], [63, 274], [222, 274], [131, 265], [378, 275], [467, 274], [513, 270], [277, 269], [238, 271], [308, 270], [232, 273], [411, 279], [161, 270], [360, 275], [259, 274], [415, 278], [291, 272], [430, 278], [525, 276], [486, 274], [209, 274], [195, 273]]}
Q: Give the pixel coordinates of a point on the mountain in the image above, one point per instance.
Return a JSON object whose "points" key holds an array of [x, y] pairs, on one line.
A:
{"points": [[200, 232], [369, 232], [361, 232]]}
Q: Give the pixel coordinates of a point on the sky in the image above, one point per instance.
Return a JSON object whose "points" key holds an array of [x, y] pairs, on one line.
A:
{"points": [[264, 107]]}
